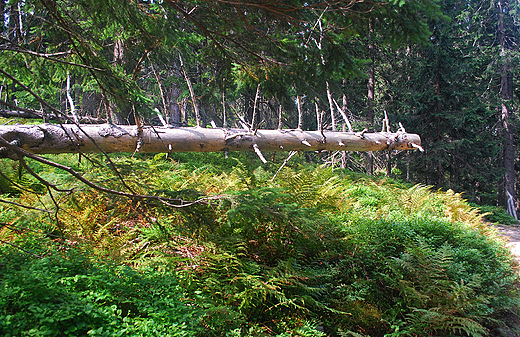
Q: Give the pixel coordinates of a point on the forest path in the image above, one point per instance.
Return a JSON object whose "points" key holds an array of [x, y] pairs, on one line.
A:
{"points": [[512, 234]]}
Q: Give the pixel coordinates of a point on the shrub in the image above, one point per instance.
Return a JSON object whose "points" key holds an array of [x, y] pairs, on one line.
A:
{"points": [[66, 294], [422, 277]]}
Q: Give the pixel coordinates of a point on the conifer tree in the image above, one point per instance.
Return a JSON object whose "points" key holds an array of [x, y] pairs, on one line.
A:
{"points": [[449, 91]]}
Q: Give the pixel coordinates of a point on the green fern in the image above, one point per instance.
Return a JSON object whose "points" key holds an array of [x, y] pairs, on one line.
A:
{"points": [[318, 188], [422, 320], [439, 303]]}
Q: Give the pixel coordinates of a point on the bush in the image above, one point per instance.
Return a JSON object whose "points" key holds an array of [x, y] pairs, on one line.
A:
{"points": [[423, 277], [66, 294]]}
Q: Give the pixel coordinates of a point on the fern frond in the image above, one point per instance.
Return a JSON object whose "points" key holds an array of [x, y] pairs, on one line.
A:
{"points": [[434, 320]]}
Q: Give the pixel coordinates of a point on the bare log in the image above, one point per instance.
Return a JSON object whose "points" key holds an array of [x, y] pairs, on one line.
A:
{"points": [[69, 138]]}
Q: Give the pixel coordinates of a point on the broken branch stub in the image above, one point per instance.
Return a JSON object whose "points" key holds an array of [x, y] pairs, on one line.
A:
{"points": [[65, 138]]}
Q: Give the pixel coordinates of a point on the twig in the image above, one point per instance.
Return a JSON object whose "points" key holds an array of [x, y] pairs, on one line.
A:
{"points": [[161, 118], [38, 114], [15, 183], [343, 153], [26, 229], [362, 133], [244, 123], [40, 179], [192, 93], [23, 250], [19, 50], [59, 113], [318, 119], [291, 154], [280, 118], [71, 102], [401, 128], [35, 95], [417, 147], [258, 127], [239, 134], [299, 113], [159, 83], [259, 153], [137, 68], [57, 209], [387, 122], [331, 106], [25, 206], [167, 201], [27, 113], [511, 209], [317, 22], [254, 107], [169, 148], [224, 114], [344, 115], [140, 140]]}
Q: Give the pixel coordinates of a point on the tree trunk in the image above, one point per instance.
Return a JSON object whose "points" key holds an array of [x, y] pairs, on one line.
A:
{"points": [[174, 108], [2, 11], [370, 97], [506, 89], [15, 29], [67, 138]]}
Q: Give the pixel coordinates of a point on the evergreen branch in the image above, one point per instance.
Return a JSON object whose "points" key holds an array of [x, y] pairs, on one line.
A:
{"points": [[25, 206], [19, 49], [213, 34], [35, 95], [40, 179], [20, 248]]}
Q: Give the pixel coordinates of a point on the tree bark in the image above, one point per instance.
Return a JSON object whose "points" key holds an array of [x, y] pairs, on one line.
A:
{"points": [[66, 138]]}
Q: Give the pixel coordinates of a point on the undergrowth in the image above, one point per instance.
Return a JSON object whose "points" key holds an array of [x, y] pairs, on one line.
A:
{"points": [[314, 252]]}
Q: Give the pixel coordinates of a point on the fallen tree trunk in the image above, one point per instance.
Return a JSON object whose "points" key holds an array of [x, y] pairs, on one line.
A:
{"points": [[69, 138]]}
